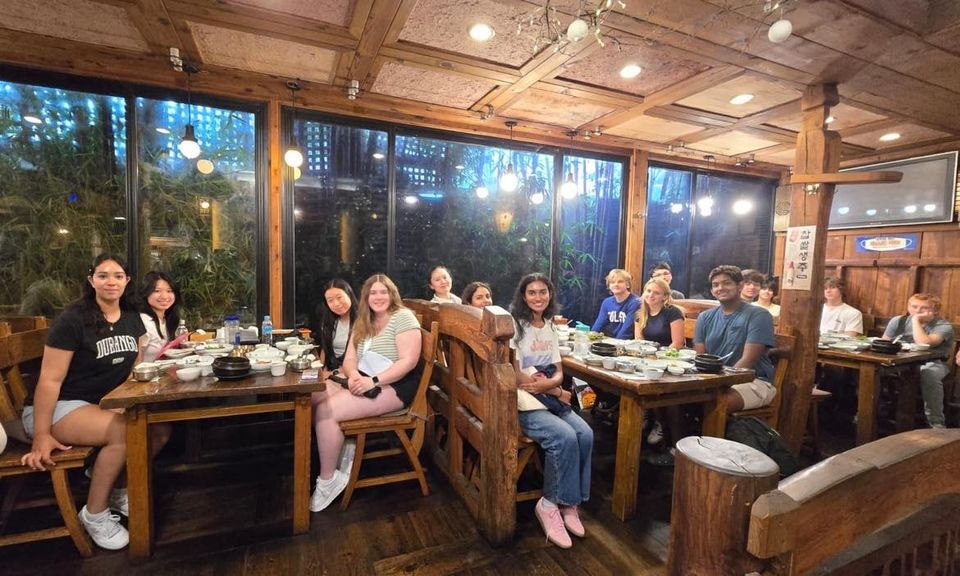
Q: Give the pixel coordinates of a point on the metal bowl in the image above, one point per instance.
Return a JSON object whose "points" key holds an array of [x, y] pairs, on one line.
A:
{"points": [[145, 373], [299, 364]]}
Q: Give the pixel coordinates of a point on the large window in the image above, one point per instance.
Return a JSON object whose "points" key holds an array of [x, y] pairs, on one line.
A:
{"points": [[197, 218], [340, 210], [591, 200], [698, 220], [65, 196], [452, 210], [62, 192], [402, 201]]}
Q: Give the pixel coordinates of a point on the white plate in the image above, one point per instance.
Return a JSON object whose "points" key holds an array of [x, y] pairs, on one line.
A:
{"points": [[177, 352], [678, 364], [684, 354]]}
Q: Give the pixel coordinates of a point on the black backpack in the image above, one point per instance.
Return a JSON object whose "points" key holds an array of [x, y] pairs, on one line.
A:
{"points": [[756, 434]]}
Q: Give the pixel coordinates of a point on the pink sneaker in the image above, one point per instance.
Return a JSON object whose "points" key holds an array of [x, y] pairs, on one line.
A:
{"points": [[571, 519], [552, 524]]}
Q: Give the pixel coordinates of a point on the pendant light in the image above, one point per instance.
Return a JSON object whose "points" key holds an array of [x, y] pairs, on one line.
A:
{"points": [[293, 156], [509, 181], [569, 188], [189, 146]]}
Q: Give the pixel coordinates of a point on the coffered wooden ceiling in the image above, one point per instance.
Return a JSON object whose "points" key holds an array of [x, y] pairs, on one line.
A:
{"points": [[897, 64]]}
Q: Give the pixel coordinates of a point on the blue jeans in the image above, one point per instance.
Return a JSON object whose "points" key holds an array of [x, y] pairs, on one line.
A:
{"points": [[931, 386], [567, 442]]}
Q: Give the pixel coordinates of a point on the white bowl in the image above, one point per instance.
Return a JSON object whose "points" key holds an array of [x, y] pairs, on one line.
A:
{"points": [[609, 362], [565, 350], [675, 370], [187, 374], [278, 368], [283, 345], [652, 373]]}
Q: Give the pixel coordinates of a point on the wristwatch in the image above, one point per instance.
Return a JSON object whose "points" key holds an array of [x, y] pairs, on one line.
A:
{"points": [[376, 380]]}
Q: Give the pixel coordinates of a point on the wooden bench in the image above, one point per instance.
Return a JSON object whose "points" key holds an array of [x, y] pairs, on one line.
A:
{"points": [[891, 506], [475, 433], [15, 349]]}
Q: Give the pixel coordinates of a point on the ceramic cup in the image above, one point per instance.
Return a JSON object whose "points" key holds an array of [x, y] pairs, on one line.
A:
{"points": [[652, 373], [278, 368], [609, 362]]}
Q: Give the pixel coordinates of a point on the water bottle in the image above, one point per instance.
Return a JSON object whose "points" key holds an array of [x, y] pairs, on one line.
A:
{"points": [[231, 329], [181, 330], [581, 340], [266, 330]]}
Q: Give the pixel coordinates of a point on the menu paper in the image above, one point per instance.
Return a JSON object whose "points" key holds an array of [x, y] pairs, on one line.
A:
{"points": [[798, 257]]}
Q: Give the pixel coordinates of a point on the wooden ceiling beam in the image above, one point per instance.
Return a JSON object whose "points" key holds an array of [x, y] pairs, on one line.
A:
{"points": [[155, 25], [263, 23], [445, 61], [948, 144], [775, 113], [671, 94], [870, 127], [384, 21], [547, 64]]}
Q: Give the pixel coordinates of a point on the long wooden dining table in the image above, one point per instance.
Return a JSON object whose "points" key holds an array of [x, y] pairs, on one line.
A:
{"points": [[870, 367], [638, 394], [159, 401]]}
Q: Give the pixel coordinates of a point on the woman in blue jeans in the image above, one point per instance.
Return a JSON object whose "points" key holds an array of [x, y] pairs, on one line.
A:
{"points": [[545, 415]]}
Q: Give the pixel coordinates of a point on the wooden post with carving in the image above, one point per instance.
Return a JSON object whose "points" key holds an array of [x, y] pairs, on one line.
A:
{"points": [[813, 182], [818, 152]]}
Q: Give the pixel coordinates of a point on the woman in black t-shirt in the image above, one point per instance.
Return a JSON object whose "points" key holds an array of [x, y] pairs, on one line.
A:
{"points": [[90, 350]]}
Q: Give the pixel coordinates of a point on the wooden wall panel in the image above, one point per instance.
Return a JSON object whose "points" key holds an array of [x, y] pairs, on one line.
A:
{"points": [[879, 283]]}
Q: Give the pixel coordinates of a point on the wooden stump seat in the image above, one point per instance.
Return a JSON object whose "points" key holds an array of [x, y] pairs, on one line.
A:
{"points": [[15, 349], [888, 507]]}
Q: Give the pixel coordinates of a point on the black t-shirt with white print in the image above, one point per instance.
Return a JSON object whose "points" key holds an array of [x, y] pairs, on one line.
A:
{"points": [[100, 362]]}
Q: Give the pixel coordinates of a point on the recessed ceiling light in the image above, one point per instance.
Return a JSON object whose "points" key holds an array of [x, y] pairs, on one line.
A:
{"points": [[871, 212], [410, 199], [33, 119], [890, 137], [378, 156], [843, 210], [162, 130], [630, 71], [742, 206], [829, 120], [910, 209], [741, 99], [929, 207], [481, 32]]}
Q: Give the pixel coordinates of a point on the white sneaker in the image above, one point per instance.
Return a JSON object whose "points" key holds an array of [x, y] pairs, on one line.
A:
{"points": [[655, 435], [118, 501], [105, 529], [347, 454], [325, 492]]}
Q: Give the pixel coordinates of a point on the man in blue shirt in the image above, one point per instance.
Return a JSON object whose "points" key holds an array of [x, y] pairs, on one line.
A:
{"points": [[743, 332], [619, 311]]}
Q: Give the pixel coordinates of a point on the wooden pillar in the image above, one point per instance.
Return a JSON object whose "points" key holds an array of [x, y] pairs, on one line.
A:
{"points": [[818, 152], [636, 217], [715, 483], [274, 210]]}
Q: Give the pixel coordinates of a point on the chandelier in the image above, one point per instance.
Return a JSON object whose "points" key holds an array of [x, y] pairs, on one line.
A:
{"points": [[546, 28]]}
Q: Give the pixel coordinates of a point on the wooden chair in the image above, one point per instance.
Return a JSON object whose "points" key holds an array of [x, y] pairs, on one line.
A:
{"points": [[781, 353], [409, 426], [15, 349]]}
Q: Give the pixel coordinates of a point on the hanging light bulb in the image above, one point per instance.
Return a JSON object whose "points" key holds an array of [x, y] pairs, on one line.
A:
{"points": [[578, 30], [536, 198], [189, 146], [569, 187], [509, 180], [293, 156]]}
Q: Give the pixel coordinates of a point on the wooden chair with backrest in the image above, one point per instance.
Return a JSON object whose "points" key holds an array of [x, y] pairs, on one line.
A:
{"points": [[408, 425], [780, 354], [16, 349]]}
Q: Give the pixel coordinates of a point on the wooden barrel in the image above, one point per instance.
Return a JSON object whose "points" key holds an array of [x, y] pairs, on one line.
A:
{"points": [[715, 483]]}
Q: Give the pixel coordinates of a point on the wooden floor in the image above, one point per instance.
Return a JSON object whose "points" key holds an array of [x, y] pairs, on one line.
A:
{"points": [[229, 515]]}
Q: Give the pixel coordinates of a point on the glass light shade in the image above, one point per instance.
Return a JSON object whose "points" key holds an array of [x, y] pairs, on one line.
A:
{"points": [[779, 31], [536, 198], [189, 146], [577, 30], [293, 156], [509, 181], [204, 166]]}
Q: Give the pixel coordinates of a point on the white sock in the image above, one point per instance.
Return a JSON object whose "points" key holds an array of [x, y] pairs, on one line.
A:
{"points": [[547, 504], [95, 517], [329, 480]]}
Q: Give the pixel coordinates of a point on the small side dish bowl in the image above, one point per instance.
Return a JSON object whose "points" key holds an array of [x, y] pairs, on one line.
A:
{"points": [[188, 374]]}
